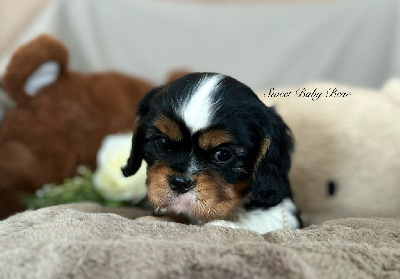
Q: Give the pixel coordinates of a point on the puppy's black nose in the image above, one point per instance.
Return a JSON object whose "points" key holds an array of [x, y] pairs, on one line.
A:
{"points": [[180, 184]]}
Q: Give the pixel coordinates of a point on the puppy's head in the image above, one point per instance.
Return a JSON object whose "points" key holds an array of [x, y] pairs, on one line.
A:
{"points": [[209, 142]]}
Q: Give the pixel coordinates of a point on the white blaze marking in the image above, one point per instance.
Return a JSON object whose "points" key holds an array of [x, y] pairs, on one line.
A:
{"points": [[197, 112], [193, 168]]}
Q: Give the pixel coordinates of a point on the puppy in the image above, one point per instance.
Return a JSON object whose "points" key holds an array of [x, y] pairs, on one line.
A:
{"points": [[216, 153]]}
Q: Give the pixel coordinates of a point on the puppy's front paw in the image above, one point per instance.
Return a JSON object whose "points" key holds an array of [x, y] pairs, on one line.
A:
{"points": [[223, 223]]}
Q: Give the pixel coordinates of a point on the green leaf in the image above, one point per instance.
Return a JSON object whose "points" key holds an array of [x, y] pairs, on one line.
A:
{"points": [[78, 189]]}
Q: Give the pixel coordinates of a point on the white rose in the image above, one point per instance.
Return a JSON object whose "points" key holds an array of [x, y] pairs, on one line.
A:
{"points": [[108, 178]]}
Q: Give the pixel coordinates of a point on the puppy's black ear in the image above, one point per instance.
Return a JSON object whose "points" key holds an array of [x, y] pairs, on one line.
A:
{"points": [[270, 183], [135, 159]]}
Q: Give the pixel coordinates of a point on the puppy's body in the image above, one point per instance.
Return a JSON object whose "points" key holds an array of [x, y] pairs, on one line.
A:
{"points": [[281, 216], [213, 150]]}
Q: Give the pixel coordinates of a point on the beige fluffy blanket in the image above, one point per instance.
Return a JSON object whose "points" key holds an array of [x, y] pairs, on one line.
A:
{"points": [[75, 241]]}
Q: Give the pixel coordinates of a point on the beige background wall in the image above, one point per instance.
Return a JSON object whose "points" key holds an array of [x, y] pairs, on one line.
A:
{"points": [[14, 16]]}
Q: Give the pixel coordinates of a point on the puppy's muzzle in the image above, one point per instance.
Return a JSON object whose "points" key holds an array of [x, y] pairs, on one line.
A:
{"points": [[180, 183]]}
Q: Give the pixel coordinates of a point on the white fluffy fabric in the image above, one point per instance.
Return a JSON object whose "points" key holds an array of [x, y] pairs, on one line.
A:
{"points": [[82, 241]]}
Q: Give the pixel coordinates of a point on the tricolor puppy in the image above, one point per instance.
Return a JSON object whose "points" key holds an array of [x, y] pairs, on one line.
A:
{"points": [[214, 152]]}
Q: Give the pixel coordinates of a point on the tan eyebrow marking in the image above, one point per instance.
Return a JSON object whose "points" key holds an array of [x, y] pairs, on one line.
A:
{"points": [[264, 146], [169, 128], [212, 138]]}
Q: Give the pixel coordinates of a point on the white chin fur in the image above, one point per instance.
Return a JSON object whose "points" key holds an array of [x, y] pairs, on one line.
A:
{"points": [[182, 203]]}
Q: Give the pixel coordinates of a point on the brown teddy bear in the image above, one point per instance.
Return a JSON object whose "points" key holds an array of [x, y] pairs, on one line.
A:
{"points": [[59, 120], [347, 155]]}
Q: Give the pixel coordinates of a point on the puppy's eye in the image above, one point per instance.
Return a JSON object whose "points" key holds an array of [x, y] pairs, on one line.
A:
{"points": [[222, 155], [164, 144]]}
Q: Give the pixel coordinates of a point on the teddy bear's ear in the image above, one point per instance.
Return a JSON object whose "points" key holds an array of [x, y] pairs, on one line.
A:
{"points": [[34, 66], [392, 89]]}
